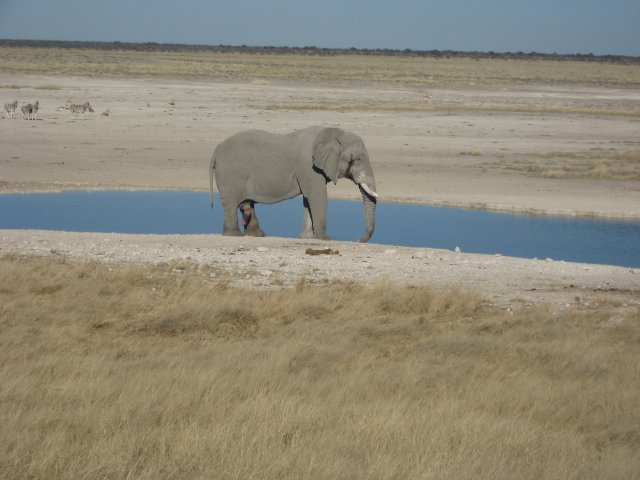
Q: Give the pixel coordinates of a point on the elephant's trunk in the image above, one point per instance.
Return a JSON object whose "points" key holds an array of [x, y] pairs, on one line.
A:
{"points": [[369, 203]]}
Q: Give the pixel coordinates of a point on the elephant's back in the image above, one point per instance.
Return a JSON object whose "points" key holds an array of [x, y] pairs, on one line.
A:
{"points": [[247, 138], [248, 146]]}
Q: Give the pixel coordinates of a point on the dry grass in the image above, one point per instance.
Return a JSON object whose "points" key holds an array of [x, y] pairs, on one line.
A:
{"points": [[314, 69], [595, 164], [140, 372], [629, 156], [15, 86]]}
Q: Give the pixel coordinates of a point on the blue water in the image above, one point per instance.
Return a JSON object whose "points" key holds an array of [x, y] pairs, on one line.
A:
{"points": [[173, 212]]}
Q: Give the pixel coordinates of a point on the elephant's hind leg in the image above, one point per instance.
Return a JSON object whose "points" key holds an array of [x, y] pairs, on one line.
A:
{"points": [[250, 220], [230, 227]]}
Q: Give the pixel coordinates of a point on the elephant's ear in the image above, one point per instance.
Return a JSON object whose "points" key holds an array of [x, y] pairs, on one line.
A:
{"points": [[326, 152]]}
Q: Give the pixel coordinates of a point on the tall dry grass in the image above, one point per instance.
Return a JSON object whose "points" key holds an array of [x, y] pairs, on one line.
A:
{"points": [[141, 372]]}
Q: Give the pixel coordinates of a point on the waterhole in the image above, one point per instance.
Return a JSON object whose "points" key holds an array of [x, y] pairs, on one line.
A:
{"points": [[179, 212]]}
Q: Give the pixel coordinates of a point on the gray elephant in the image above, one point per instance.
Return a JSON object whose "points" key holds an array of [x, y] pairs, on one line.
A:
{"points": [[260, 167]]}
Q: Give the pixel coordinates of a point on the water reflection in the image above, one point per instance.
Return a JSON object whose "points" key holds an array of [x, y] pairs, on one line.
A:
{"points": [[171, 212]]}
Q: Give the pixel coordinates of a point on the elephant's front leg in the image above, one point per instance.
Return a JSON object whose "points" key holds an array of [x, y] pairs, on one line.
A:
{"points": [[307, 227], [317, 211], [250, 220]]}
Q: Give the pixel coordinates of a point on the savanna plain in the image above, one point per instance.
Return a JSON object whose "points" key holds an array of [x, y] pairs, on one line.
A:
{"points": [[149, 357]]}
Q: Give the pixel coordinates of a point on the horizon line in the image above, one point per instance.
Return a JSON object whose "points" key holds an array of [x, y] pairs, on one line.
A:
{"points": [[342, 50]]}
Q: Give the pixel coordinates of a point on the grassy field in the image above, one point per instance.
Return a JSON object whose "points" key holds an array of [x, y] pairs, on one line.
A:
{"points": [[314, 69], [142, 372]]}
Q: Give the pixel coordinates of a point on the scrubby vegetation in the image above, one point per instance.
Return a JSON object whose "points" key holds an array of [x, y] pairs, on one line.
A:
{"points": [[592, 164], [313, 50], [311, 65]]}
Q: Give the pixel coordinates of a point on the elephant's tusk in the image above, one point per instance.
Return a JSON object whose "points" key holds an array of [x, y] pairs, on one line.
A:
{"points": [[368, 190]]}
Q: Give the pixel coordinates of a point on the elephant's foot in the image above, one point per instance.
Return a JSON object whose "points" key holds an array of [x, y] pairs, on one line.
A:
{"points": [[231, 232], [310, 235], [251, 231]]}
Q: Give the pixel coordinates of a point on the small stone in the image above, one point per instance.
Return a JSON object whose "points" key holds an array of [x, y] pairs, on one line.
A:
{"points": [[457, 250], [391, 251], [263, 249], [321, 251]]}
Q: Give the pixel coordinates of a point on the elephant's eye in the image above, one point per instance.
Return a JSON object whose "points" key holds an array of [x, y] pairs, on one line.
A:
{"points": [[351, 163]]}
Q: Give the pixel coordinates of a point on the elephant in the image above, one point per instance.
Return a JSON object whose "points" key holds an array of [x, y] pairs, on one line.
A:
{"points": [[255, 166]]}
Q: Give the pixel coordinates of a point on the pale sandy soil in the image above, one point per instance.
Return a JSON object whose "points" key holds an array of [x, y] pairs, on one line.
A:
{"points": [[459, 153], [437, 157]]}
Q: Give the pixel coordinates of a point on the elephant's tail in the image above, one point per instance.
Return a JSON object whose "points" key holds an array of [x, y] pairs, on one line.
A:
{"points": [[212, 167]]}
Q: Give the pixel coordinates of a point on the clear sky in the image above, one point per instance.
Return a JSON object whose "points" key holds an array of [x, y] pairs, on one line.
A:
{"points": [[562, 26]]}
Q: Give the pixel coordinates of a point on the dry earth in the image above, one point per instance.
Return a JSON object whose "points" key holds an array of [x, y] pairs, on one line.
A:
{"points": [[472, 147]]}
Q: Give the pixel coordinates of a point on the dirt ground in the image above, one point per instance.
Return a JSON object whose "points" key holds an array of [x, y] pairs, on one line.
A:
{"points": [[492, 148]]}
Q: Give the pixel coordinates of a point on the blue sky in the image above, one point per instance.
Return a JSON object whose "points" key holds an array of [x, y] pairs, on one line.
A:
{"points": [[560, 26]]}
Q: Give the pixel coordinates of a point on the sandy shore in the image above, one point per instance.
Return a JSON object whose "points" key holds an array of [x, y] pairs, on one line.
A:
{"points": [[467, 147]]}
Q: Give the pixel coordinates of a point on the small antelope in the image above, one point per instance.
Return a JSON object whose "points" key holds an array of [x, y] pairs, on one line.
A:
{"points": [[73, 108], [9, 108]]}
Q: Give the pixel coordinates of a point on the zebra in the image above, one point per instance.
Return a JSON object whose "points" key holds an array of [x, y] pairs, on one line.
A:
{"points": [[34, 110], [30, 110], [73, 108], [9, 108], [26, 111]]}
